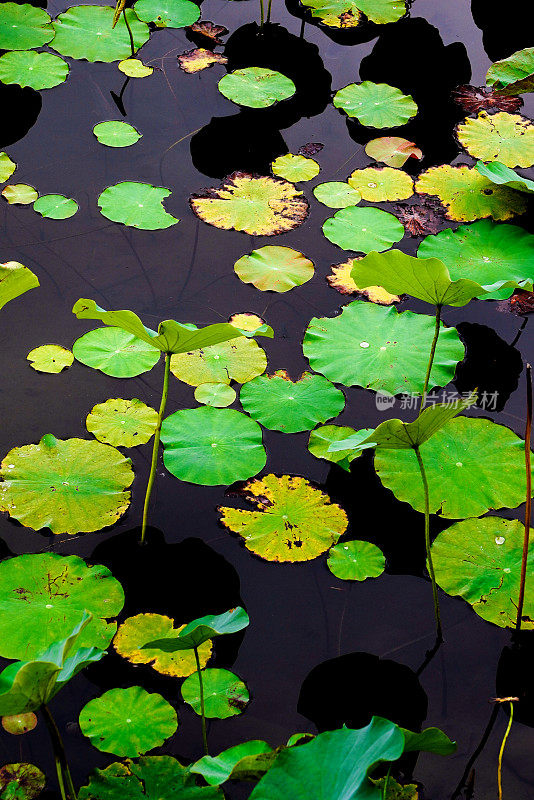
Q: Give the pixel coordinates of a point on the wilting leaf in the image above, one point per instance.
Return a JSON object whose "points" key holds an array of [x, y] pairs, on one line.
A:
{"points": [[376, 105], [21, 781], [116, 134], [274, 269], [225, 694], [19, 724], [137, 205], [356, 561], [260, 206], [363, 229], [128, 722], [467, 195], [280, 404], [325, 435], [7, 167], [212, 446], [479, 98], [122, 423], [202, 629], [86, 32], [219, 395], [341, 279], [36, 70], [337, 194], [294, 521], [256, 87], [381, 183], [239, 360], [508, 138], [310, 149], [513, 75], [295, 168], [209, 30], [15, 279], [422, 218], [22, 26], [501, 174], [167, 13], [134, 68], [20, 193], [70, 486], [244, 761], [347, 13], [43, 597], [392, 150], [50, 358], [522, 302], [55, 206], [196, 60], [378, 348], [115, 352]]}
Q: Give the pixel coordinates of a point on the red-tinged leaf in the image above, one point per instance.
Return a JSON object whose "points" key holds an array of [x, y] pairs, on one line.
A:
{"points": [[480, 98]]}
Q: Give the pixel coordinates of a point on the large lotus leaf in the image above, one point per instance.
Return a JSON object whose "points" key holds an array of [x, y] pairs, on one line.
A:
{"points": [[67, 485], [294, 521], [7, 167], [20, 194], [487, 253], [504, 176], [43, 596], [342, 280], [348, 13], [22, 26], [239, 360], [513, 75], [51, 358], [114, 133], [136, 633], [472, 466], [377, 105], [219, 395], [295, 167], [137, 205], [363, 229], [128, 722], [504, 137], [356, 561], [378, 184], [256, 87], [480, 560], [337, 194], [378, 348], [429, 740], [167, 13], [392, 150], [260, 206], [200, 630], [21, 782], [55, 206], [115, 352], [212, 446], [122, 423], [87, 32], [36, 70], [467, 195], [323, 437], [234, 763], [274, 269], [225, 694], [15, 279], [280, 404]]}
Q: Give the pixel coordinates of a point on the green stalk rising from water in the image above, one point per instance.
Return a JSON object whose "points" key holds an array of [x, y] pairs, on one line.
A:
{"points": [[202, 706], [427, 545], [155, 446]]}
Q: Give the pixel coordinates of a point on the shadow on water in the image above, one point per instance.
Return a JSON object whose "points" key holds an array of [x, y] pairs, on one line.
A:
{"points": [[505, 27], [24, 108]]}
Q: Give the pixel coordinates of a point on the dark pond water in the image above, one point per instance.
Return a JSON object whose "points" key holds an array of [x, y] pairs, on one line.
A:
{"points": [[310, 656]]}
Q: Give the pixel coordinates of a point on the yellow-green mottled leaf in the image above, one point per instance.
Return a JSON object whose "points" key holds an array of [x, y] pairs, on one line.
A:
{"points": [[50, 358], [274, 269], [21, 782], [15, 279], [134, 68], [508, 138], [337, 194], [18, 724], [122, 423], [7, 167], [239, 359], [20, 194], [378, 184], [295, 168]]}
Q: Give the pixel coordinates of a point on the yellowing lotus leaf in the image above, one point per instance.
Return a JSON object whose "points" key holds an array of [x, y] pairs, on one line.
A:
{"points": [[274, 269], [239, 359], [122, 423], [50, 358], [134, 68], [295, 167], [340, 278], [378, 184], [246, 321], [508, 138], [392, 150], [198, 59]]}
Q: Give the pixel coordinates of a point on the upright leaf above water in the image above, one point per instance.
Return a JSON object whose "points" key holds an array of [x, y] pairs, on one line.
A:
{"points": [[376, 105], [244, 761], [136, 205], [202, 629], [513, 75], [504, 176], [86, 32], [256, 87], [504, 137], [15, 279], [22, 26], [323, 437], [392, 150], [341, 279]]}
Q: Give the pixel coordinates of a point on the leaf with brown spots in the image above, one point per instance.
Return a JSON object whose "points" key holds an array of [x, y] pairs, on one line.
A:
{"points": [[422, 218], [340, 279], [209, 30], [479, 98], [196, 60]]}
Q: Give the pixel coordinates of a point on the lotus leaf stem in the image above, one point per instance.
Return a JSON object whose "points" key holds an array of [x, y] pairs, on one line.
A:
{"points": [[269, 10], [202, 706], [130, 34], [262, 15], [501, 751], [66, 785], [155, 447], [431, 358], [528, 504], [439, 630]]}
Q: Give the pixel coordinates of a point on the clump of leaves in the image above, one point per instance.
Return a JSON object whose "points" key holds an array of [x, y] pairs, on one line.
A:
{"points": [[479, 98], [137, 205], [342, 280], [36, 70], [274, 269], [376, 105], [199, 59], [380, 184], [295, 168], [256, 87], [513, 75], [508, 138], [393, 150], [50, 358]]}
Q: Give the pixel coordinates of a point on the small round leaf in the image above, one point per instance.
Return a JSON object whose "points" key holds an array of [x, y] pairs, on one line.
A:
{"points": [[225, 695], [7, 167], [116, 134], [122, 423], [50, 358], [115, 352], [274, 269], [356, 561], [218, 395], [134, 68], [295, 168], [137, 205], [22, 26], [20, 194], [256, 87], [377, 105], [18, 724], [378, 184], [336, 194], [55, 206]]}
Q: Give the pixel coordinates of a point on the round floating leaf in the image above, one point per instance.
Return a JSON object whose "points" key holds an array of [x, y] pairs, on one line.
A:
{"points": [[356, 561], [294, 521], [134, 68], [377, 105], [467, 195], [21, 781], [43, 597], [342, 280], [246, 321], [392, 150], [7, 167], [50, 358], [20, 193], [260, 206], [18, 724], [128, 722], [502, 175], [22, 26], [225, 695], [480, 560], [135, 632], [115, 352], [325, 435], [167, 13], [381, 183], [36, 70], [212, 446], [513, 75], [378, 348], [347, 13], [336, 194], [137, 205], [122, 423], [280, 404], [508, 138], [116, 134], [256, 87], [69, 486], [239, 359], [241, 762], [472, 465], [218, 395], [295, 168], [363, 229], [274, 269], [55, 206], [86, 32], [198, 59]]}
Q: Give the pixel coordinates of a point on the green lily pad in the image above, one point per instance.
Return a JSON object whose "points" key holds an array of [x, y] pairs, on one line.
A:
{"points": [[212, 446], [513, 75], [336, 194], [356, 561], [376, 105], [202, 629], [128, 722], [134, 68], [236, 763], [70, 486], [225, 695], [256, 87], [36, 70], [324, 436], [280, 404], [361, 347], [55, 206], [22, 26], [238, 359], [15, 279], [50, 358], [348, 13], [19, 724], [504, 137], [116, 134], [218, 395], [295, 168], [20, 194], [137, 205], [42, 598], [167, 13], [87, 32], [363, 229], [504, 176], [378, 184], [480, 560], [122, 423], [274, 269], [7, 167], [294, 521], [392, 150], [115, 352], [21, 782]]}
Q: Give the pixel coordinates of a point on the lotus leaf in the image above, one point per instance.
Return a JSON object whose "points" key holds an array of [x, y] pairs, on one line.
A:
{"points": [[167, 13], [87, 32], [19, 724], [202, 629], [513, 75], [238, 359], [336, 194], [294, 521], [137, 632], [392, 150], [347, 13], [356, 561], [280, 404], [15, 279], [236, 763], [501, 174], [70, 486], [122, 423], [363, 229], [7, 167], [467, 195], [377, 184], [55, 206], [218, 395], [115, 352], [20, 194], [392, 790], [22, 26], [116, 134], [225, 694], [50, 358], [36, 70], [361, 347], [137, 205], [376, 105], [295, 168], [212, 446], [274, 269], [196, 60], [134, 68], [508, 138], [342, 280], [256, 87], [210, 31], [246, 321], [260, 206], [324, 436], [21, 782]]}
